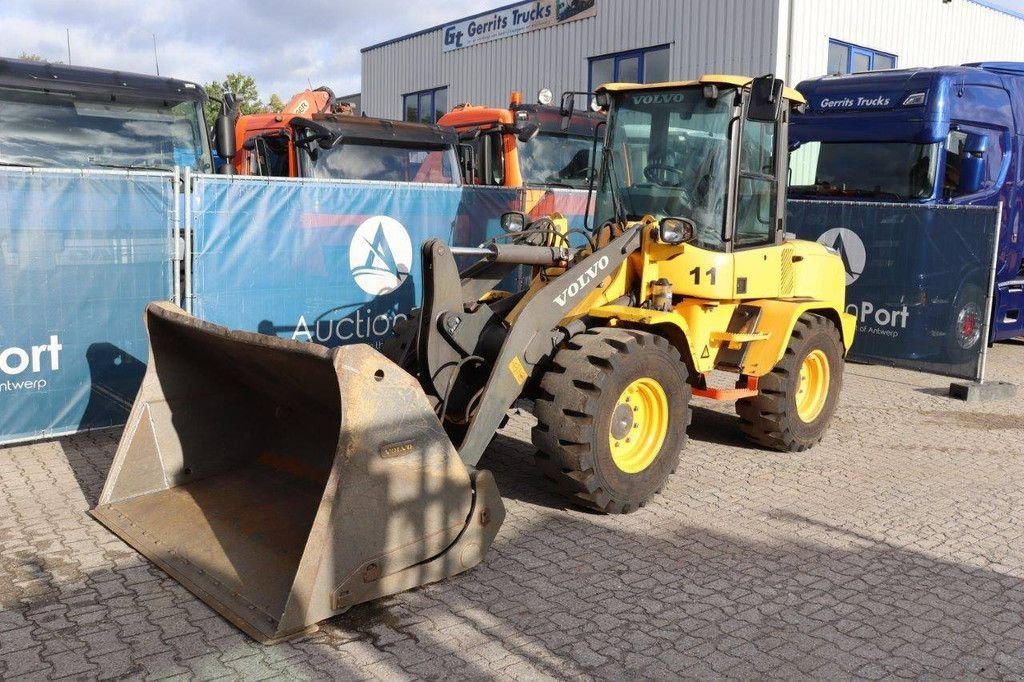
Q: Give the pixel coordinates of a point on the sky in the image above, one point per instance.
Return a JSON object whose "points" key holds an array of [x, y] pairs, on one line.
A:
{"points": [[283, 45]]}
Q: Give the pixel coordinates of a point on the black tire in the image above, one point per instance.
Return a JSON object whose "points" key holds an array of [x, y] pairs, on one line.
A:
{"points": [[579, 395], [772, 419]]}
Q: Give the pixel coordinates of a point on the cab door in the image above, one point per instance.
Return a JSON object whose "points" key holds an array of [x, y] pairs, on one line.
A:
{"points": [[756, 211]]}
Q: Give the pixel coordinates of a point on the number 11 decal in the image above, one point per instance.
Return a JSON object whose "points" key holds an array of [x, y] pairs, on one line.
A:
{"points": [[710, 274]]}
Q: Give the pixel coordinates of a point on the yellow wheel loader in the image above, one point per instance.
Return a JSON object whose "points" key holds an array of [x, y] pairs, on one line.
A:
{"points": [[284, 482]]}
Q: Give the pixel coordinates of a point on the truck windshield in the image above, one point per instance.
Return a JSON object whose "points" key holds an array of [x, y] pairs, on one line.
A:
{"points": [[354, 160], [872, 170], [69, 131], [556, 160], [668, 155]]}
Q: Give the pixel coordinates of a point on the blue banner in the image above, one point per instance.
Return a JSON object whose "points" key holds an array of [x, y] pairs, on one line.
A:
{"points": [[80, 256], [327, 262], [917, 278]]}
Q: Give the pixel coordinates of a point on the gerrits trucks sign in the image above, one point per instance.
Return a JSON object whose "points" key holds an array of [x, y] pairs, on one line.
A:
{"points": [[510, 21]]}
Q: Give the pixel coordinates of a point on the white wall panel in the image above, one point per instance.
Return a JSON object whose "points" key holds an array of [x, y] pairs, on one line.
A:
{"points": [[918, 32], [789, 37]]}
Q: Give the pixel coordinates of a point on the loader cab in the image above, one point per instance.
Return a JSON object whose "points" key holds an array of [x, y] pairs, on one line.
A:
{"points": [[701, 150], [710, 152]]}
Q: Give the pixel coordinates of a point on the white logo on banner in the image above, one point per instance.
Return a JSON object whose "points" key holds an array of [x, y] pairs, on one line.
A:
{"points": [[850, 248], [15, 361], [380, 255]]}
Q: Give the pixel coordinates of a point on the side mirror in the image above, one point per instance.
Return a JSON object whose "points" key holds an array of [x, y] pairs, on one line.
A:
{"points": [[528, 132], [765, 103], [566, 107], [972, 163], [328, 141], [224, 133], [676, 231], [224, 142], [513, 221]]}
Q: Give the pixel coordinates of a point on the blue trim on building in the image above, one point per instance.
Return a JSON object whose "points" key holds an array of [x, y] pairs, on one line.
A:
{"points": [[440, 26], [1000, 7]]}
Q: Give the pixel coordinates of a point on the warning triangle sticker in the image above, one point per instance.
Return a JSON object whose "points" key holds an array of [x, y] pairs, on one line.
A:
{"points": [[706, 354]]}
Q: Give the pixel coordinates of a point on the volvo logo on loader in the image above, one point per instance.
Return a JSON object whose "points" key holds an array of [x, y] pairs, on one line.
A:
{"points": [[586, 278], [380, 255], [850, 248]]}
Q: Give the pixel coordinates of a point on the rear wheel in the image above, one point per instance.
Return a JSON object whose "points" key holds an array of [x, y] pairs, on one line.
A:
{"points": [[611, 418], [967, 324], [798, 397]]}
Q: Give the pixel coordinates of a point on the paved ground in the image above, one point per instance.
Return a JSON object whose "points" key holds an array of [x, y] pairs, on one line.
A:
{"points": [[895, 549]]}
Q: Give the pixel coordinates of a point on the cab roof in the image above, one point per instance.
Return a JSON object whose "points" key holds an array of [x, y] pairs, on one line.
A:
{"points": [[710, 79], [387, 130], [49, 77]]}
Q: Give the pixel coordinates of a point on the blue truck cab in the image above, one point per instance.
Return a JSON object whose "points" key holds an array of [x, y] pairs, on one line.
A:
{"points": [[950, 135]]}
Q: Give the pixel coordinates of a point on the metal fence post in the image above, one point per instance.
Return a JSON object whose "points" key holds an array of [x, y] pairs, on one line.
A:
{"points": [[990, 295], [188, 240], [176, 238]]}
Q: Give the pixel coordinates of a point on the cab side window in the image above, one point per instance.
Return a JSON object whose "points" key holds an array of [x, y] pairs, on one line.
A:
{"points": [[489, 160], [758, 186], [268, 155], [958, 148]]}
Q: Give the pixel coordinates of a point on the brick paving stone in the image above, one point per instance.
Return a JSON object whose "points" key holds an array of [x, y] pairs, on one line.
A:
{"points": [[894, 549]]}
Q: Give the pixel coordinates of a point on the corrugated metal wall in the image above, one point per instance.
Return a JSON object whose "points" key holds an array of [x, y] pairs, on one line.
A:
{"points": [[736, 36], [919, 32]]}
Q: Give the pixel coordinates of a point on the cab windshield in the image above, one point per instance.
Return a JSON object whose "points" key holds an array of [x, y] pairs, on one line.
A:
{"points": [[668, 153], [554, 160], [357, 160], [70, 131], [871, 170]]}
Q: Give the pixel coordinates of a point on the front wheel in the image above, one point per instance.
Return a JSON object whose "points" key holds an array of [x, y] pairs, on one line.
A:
{"points": [[798, 397], [611, 418]]}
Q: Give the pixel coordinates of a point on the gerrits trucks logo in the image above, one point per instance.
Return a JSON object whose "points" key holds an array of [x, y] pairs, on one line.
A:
{"points": [[20, 367]]}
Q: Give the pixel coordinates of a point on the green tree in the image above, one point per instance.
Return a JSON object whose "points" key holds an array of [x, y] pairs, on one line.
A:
{"points": [[244, 89], [33, 57], [276, 105]]}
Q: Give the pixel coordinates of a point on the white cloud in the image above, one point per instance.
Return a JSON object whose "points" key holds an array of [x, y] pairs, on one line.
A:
{"points": [[283, 46]]}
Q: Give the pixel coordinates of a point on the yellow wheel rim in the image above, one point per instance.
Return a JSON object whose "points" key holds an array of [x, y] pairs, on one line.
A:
{"points": [[812, 391], [638, 426]]}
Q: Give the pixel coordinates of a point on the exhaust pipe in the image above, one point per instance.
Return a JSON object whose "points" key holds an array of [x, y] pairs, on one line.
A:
{"points": [[283, 482]]}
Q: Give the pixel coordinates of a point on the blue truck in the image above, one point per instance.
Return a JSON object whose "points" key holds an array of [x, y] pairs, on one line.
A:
{"points": [[950, 135]]}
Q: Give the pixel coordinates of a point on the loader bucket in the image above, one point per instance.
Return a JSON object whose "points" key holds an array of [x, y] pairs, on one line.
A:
{"points": [[282, 482]]}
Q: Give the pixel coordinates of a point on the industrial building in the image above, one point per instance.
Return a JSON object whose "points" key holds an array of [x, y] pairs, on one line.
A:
{"points": [[579, 44]]}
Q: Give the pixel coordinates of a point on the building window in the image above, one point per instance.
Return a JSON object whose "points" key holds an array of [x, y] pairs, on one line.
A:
{"points": [[848, 58], [649, 65], [425, 106]]}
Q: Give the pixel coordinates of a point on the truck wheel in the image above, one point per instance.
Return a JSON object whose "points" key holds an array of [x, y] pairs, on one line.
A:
{"points": [[966, 324], [798, 397], [611, 418]]}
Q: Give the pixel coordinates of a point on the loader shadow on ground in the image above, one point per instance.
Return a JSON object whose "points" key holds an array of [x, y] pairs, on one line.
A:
{"points": [[654, 594]]}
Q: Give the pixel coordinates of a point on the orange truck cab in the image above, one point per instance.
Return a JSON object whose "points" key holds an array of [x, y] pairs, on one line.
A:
{"points": [[524, 145], [315, 136]]}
